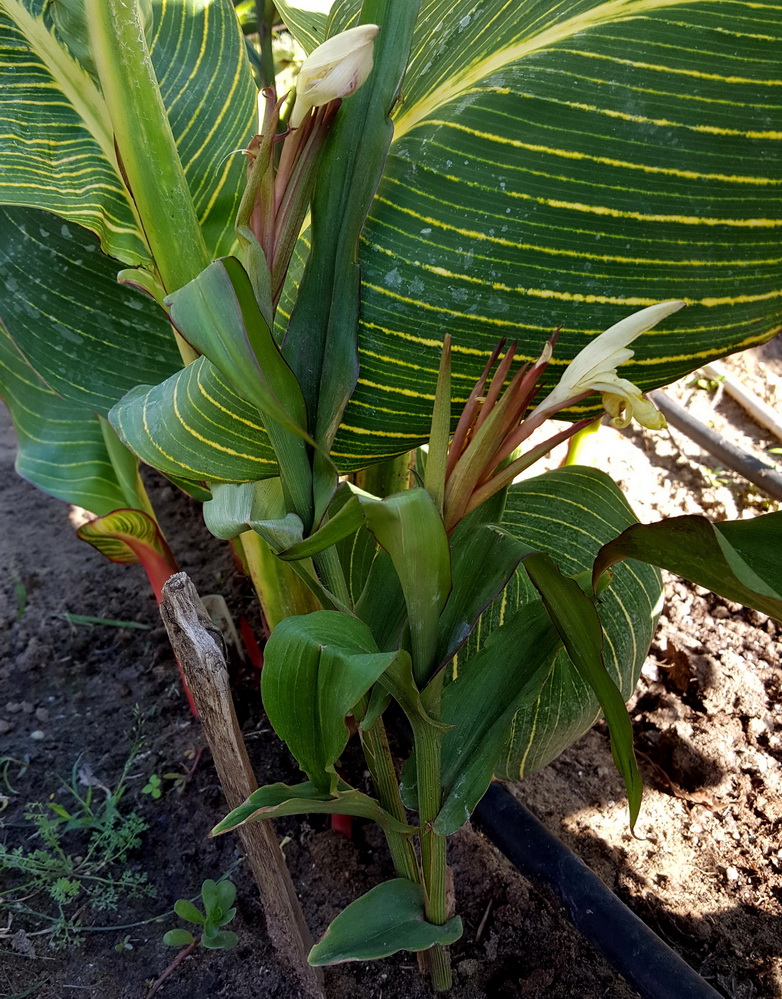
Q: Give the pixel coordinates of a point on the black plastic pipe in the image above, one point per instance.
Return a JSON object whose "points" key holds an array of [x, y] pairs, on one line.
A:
{"points": [[645, 962], [764, 476]]}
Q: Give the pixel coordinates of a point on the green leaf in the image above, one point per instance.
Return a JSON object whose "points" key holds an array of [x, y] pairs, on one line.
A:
{"points": [[234, 508], [507, 674], [737, 559], [58, 152], [219, 940], [90, 339], [217, 898], [347, 518], [186, 910], [575, 618], [569, 513], [194, 426], [388, 918], [321, 338], [410, 529], [61, 449], [218, 315], [178, 938], [381, 604], [306, 22], [483, 560], [316, 669], [129, 536], [260, 506], [565, 164], [276, 800], [357, 554]]}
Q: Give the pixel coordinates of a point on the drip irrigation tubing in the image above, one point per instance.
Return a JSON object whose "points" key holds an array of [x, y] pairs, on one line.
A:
{"points": [[645, 961], [756, 471]]}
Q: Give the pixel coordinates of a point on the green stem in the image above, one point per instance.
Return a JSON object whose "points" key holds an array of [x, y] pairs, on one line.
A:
{"points": [[428, 740], [280, 591], [145, 143], [386, 478], [266, 13], [578, 442], [331, 574], [377, 753]]}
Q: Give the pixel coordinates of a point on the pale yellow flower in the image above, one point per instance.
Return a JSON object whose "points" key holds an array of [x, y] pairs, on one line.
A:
{"points": [[337, 68], [594, 370]]}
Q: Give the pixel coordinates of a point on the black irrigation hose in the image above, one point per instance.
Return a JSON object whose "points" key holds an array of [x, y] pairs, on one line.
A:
{"points": [[762, 475], [639, 955]]}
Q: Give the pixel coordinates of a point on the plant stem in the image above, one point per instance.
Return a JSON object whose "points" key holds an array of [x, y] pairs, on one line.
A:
{"points": [[266, 13], [433, 846], [577, 445], [147, 151], [280, 591], [331, 574], [377, 753], [386, 478], [184, 953]]}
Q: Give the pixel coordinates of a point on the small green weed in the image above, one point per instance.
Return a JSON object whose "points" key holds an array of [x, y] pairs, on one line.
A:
{"points": [[153, 787], [218, 899], [707, 384], [78, 861], [20, 592], [715, 476]]}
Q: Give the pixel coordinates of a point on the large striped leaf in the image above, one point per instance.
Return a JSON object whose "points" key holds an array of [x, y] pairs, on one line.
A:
{"points": [[61, 446], [90, 339], [56, 144], [570, 513], [565, 164], [306, 20], [195, 427]]}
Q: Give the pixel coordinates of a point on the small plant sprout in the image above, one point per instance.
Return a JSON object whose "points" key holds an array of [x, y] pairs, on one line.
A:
{"points": [[153, 787], [218, 899]]}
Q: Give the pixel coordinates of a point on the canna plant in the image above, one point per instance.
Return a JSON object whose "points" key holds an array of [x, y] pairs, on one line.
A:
{"points": [[311, 290]]}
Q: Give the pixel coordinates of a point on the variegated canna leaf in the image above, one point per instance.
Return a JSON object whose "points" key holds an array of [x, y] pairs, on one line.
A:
{"points": [[90, 339], [57, 148], [570, 513], [306, 20], [564, 165], [129, 536], [61, 449]]}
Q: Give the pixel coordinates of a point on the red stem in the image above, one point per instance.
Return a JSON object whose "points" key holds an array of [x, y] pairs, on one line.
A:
{"points": [[185, 952]]}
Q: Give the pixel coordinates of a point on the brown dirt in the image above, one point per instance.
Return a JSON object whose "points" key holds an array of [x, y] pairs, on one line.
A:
{"points": [[703, 869]]}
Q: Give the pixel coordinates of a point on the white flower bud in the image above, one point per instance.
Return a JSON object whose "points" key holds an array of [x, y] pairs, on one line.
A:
{"points": [[337, 68], [594, 370]]}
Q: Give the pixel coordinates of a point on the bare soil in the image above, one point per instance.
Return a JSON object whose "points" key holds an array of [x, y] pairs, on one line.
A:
{"points": [[703, 868]]}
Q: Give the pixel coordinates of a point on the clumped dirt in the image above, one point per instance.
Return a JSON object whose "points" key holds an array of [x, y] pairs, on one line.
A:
{"points": [[703, 868]]}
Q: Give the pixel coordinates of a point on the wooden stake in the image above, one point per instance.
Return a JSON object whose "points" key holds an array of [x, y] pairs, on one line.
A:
{"points": [[197, 644]]}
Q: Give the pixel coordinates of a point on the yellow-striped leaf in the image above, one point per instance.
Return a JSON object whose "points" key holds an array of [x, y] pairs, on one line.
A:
{"points": [[570, 513], [122, 534], [90, 339], [56, 142], [61, 449], [306, 20], [129, 536], [195, 426], [565, 164]]}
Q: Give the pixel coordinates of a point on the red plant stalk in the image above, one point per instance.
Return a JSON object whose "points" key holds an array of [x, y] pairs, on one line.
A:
{"points": [[159, 567]]}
